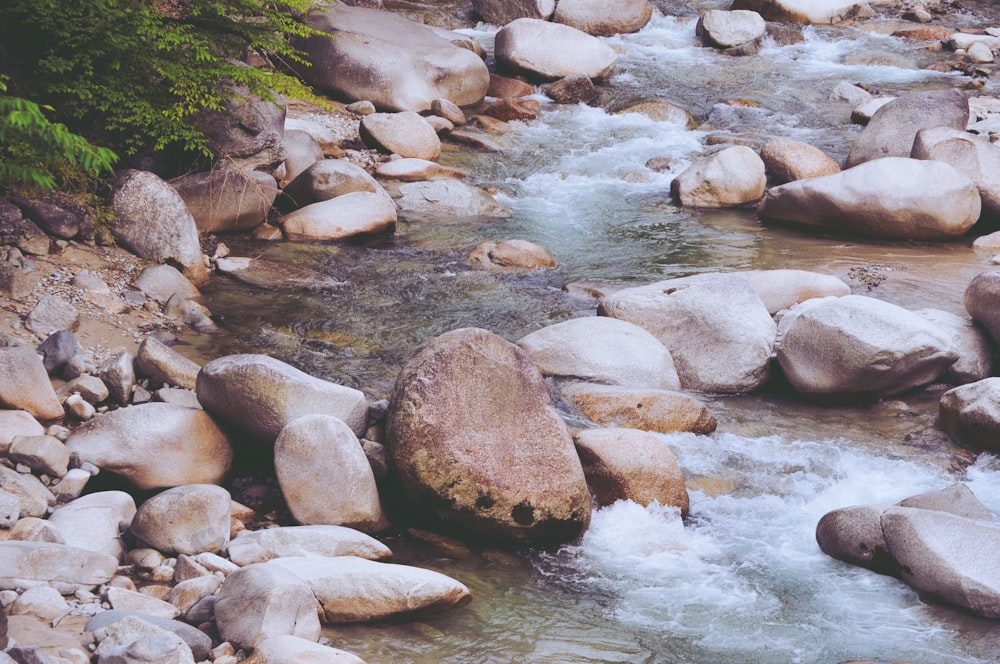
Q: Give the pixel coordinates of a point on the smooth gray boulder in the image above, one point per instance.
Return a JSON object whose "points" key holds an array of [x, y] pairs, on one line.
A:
{"points": [[301, 152], [973, 156], [33, 496], [227, 200], [15, 423], [929, 200], [51, 314], [719, 333], [357, 213], [95, 522], [893, 127], [43, 454], [326, 179], [163, 365], [664, 411], [971, 414], [803, 11], [781, 289], [975, 352], [395, 63], [502, 12], [982, 301], [726, 29], [601, 18], [199, 642], [259, 546], [65, 568], [406, 133], [859, 347], [956, 499], [189, 519], [288, 649], [25, 385], [161, 282], [730, 177], [417, 170], [549, 51], [854, 535], [134, 640], [247, 133], [449, 198]]}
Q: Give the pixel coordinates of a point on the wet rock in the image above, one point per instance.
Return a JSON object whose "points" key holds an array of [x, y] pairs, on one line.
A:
{"points": [[733, 176], [152, 221], [502, 12], [95, 521], [550, 51], [597, 17], [352, 214], [577, 89], [162, 364], [161, 282], [287, 649], [51, 314], [18, 275], [781, 289], [227, 200], [716, 328], [449, 197], [258, 546], [510, 254], [975, 354], [973, 156], [463, 456], [931, 200], [155, 445], [43, 454], [328, 179], [860, 347], [892, 129], [301, 152], [416, 170], [854, 535], [65, 568], [272, 275], [505, 87], [187, 519], [602, 350], [971, 414], [662, 411], [24, 384], [797, 11], [395, 63], [317, 451], [787, 160], [260, 395], [118, 375], [191, 313], [659, 110], [726, 29]]}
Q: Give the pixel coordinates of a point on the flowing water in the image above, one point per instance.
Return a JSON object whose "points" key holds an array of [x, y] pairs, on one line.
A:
{"points": [[741, 579]]}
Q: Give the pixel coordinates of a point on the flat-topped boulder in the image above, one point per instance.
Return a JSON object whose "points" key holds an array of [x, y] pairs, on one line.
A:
{"points": [[449, 198], [781, 289], [412, 169], [65, 568], [603, 19], [506, 255], [730, 177], [406, 133], [971, 414], [357, 213], [663, 411], [549, 51], [726, 29]]}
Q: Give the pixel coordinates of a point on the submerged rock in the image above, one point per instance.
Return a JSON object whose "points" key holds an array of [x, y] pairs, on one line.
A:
{"points": [[449, 197]]}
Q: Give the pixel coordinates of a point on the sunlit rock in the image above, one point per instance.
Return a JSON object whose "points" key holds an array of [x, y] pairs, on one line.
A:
{"points": [[663, 411], [603, 19], [301, 152], [327, 179], [406, 134], [187, 519], [227, 200], [510, 255], [971, 414], [357, 213], [502, 12], [95, 521], [416, 170], [973, 156], [288, 649], [730, 177], [781, 289], [164, 365], [449, 198], [548, 51], [854, 535], [65, 568], [787, 160], [975, 353], [258, 546], [725, 29], [24, 384], [804, 11]]}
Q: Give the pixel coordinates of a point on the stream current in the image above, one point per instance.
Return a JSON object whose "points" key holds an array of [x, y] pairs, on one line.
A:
{"points": [[741, 579]]}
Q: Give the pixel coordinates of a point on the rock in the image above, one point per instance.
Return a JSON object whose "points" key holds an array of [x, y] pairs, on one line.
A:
{"points": [[70, 486], [395, 63], [187, 593], [930, 200], [716, 328], [956, 499], [982, 301], [133, 639], [301, 152], [33, 529], [325, 476], [406, 133], [510, 254], [505, 87], [22, 233], [258, 546], [644, 409], [601, 19], [966, 40], [513, 110], [57, 349], [863, 112], [973, 156], [502, 12], [227, 200], [860, 347], [91, 282], [24, 384], [34, 497], [187, 519], [51, 314], [465, 460], [450, 198], [151, 220], [261, 601], [15, 423], [10, 510], [602, 350], [576, 89], [191, 313], [732, 176], [161, 282], [415, 170], [548, 51], [273, 275], [854, 535], [65, 568], [164, 365], [782, 289], [725, 29], [659, 110], [43, 454], [118, 375], [971, 414], [199, 642], [91, 388], [326, 179], [979, 53], [261, 395], [477, 139], [41, 602], [51, 218], [247, 133], [353, 589], [439, 125], [95, 522], [893, 127], [287, 649], [131, 601], [975, 354], [803, 11], [352, 214], [155, 445], [77, 407], [448, 110], [787, 160], [18, 275]]}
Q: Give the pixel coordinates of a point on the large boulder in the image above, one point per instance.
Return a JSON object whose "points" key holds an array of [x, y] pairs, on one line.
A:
{"points": [[478, 444], [24, 384], [260, 395], [971, 414], [259, 546], [602, 350], [781, 289], [854, 535], [502, 12], [982, 301], [326, 179], [247, 133], [788, 160], [855, 346], [448, 198], [65, 568], [548, 51], [227, 200], [975, 352], [152, 220], [393, 62], [663, 411], [726, 29], [716, 328], [33, 497], [602, 18], [893, 127], [406, 133], [14, 423], [973, 156], [301, 152], [894, 197], [730, 177], [803, 11], [187, 519], [95, 521], [155, 445], [357, 213]]}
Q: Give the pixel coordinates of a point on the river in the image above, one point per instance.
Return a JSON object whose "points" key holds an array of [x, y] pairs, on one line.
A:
{"points": [[741, 579]]}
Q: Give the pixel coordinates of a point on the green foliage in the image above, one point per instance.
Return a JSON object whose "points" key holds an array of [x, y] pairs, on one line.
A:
{"points": [[131, 74]]}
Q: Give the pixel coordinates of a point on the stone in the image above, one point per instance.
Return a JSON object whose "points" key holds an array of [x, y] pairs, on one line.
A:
{"points": [[42, 602], [261, 395], [287, 649], [788, 160], [513, 110], [161, 282], [227, 200], [351, 589], [164, 365], [51, 218], [416, 170], [199, 642], [863, 112], [51, 314], [35, 498], [510, 254], [930, 200], [502, 12], [730, 177], [258, 546], [973, 156], [131, 601], [65, 568], [599, 18], [155, 445], [33, 529], [719, 333], [24, 384], [10, 509], [352, 214], [247, 133], [191, 313], [803, 11], [261, 601], [505, 87], [395, 63], [177, 396], [95, 522], [23, 234], [301, 152], [892, 129], [476, 139], [152, 221], [57, 349], [43, 454], [405, 133], [975, 353], [186, 519], [979, 53], [18, 275], [70, 486], [325, 476], [439, 124], [549, 51], [133, 639], [465, 460], [273, 275], [185, 594], [15, 423], [326, 179], [659, 110], [91, 388], [782, 289], [854, 535], [602, 350], [970, 414], [956, 499], [859, 347], [449, 110], [982, 301], [662, 411], [449, 198], [575, 89], [725, 29], [91, 282]]}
